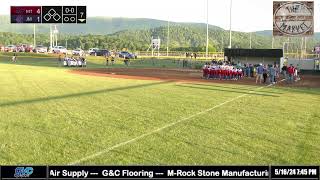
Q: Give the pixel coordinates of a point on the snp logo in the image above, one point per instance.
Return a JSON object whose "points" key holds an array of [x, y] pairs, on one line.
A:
{"points": [[22, 172]]}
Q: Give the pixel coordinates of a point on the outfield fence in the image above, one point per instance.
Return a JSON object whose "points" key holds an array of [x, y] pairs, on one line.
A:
{"points": [[181, 55], [169, 55], [168, 63]]}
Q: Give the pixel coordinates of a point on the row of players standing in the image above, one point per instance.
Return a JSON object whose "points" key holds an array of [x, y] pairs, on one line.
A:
{"points": [[72, 61], [267, 73], [222, 71]]}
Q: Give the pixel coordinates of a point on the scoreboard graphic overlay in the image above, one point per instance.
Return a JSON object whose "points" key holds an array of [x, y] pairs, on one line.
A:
{"points": [[49, 14]]}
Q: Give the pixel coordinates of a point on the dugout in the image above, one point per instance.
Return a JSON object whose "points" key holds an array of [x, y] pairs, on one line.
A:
{"points": [[254, 56]]}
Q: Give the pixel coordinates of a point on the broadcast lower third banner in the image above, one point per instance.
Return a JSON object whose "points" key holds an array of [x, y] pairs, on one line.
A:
{"points": [[161, 172]]}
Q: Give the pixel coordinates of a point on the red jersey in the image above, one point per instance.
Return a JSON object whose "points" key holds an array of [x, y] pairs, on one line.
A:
{"points": [[291, 70]]}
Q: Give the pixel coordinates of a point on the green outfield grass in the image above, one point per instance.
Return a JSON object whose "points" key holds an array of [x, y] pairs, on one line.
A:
{"points": [[51, 60], [51, 116]]}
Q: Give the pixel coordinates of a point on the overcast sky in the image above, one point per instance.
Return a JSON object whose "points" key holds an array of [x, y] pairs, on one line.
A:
{"points": [[247, 15]]}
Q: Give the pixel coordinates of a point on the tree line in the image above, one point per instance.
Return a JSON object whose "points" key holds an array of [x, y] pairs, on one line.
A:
{"points": [[181, 38]]}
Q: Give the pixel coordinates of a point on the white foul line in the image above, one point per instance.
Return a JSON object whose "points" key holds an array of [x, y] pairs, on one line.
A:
{"points": [[161, 128]]}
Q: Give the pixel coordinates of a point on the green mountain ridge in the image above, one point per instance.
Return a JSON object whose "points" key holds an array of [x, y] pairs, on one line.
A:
{"points": [[135, 35], [95, 25]]}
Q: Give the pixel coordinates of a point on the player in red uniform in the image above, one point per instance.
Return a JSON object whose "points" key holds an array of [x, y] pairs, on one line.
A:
{"points": [[212, 72], [215, 73], [205, 71]]}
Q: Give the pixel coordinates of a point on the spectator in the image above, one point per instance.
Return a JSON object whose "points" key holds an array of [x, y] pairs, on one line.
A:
{"points": [[284, 71], [272, 73], [112, 60], [107, 59], [277, 73], [83, 62], [317, 65], [126, 61], [290, 70], [259, 73], [251, 70], [265, 74], [14, 58], [248, 70], [296, 73], [59, 60]]}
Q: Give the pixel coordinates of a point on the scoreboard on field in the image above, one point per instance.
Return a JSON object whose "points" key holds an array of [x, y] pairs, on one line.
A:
{"points": [[49, 14]]}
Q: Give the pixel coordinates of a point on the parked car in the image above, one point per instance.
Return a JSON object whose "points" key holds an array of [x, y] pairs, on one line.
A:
{"points": [[78, 52], [92, 50], [27, 48], [1, 48], [102, 52], [59, 50], [19, 48], [10, 48], [127, 55], [40, 49]]}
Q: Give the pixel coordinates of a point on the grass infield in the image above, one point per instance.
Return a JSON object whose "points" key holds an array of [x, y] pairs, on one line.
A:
{"points": [[51, 116]]}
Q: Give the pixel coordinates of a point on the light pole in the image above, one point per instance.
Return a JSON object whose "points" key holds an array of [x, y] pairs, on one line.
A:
{"points": [[55, 35], [51, 39], [168, 34], [222, 44], [34, 35], [250, 40], [230, 32], [283, 47], [207, 45]]}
